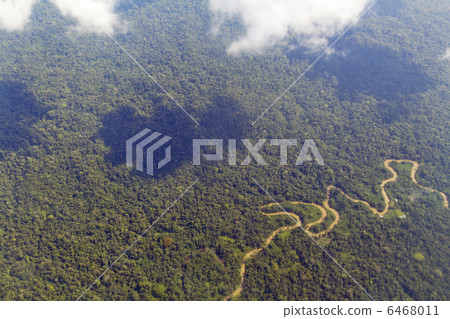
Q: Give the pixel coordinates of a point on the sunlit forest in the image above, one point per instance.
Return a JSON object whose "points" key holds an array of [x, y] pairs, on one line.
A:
{"points": [[69, 206]]}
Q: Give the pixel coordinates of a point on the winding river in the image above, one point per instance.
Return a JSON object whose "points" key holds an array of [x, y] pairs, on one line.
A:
{"points": [[325, 206]]}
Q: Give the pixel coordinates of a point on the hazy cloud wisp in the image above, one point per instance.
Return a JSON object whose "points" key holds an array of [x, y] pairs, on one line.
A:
{"points": [[446, 55], [14, 14], [270, 22], [94, 13]]}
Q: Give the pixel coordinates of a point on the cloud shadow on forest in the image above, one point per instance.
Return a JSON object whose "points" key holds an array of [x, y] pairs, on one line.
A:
{"points": [[223, 120], [375, 71], [19, 110]]}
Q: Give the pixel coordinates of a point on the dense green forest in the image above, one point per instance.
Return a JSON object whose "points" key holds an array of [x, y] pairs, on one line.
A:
{"points": [[69, 206]]}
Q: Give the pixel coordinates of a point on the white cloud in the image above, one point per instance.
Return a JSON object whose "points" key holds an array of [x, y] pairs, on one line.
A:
{"points": [[14, 14], [270, 22], [94, 13], [446, 54]]}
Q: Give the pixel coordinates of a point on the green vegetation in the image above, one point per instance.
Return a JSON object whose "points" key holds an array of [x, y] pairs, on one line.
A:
{"points": [[284, 235], [396, 213], [69, 206], [419, 257], [307, 213]]}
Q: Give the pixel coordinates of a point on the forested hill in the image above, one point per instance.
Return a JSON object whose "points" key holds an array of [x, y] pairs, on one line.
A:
{"points": [[69, 206]]}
